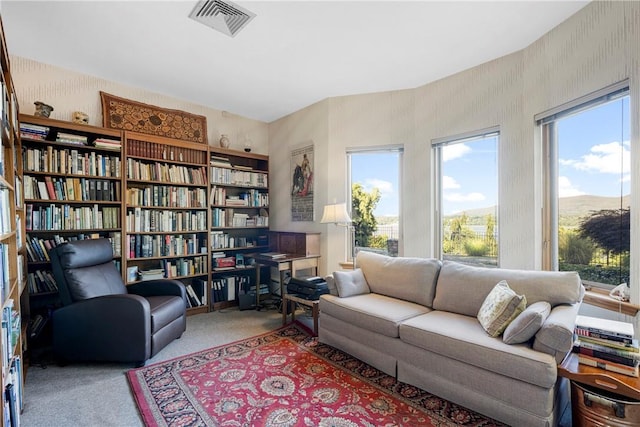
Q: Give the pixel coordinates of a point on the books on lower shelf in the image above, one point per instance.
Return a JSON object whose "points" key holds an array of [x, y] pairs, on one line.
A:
{"points": [[607, 344]]}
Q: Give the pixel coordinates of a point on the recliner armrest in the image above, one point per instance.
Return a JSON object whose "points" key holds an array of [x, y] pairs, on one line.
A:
{"points": [[158, 287], [110, 327]]}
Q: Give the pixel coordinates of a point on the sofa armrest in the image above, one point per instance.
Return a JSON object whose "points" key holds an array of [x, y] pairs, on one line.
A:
{"points": [[150, 288], [331, 284], [555, 337]]}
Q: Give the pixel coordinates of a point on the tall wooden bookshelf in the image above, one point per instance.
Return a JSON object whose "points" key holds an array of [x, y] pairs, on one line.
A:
{"points": [[11, 247], [166, 214], [72, 181], [239, 222]]}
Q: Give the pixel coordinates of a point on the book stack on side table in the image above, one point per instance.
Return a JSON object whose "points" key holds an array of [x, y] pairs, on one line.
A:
{"points": [[607, 344]]}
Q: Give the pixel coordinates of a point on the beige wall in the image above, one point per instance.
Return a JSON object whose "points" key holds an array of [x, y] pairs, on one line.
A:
{"points": [[68, 91], [593, 49]]}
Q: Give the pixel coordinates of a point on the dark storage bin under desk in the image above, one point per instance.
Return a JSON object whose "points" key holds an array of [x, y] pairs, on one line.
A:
{"points": [[592, 407]]}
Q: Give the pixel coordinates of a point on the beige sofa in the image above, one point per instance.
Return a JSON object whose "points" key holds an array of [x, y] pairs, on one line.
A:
{"points": [[415, 319]]}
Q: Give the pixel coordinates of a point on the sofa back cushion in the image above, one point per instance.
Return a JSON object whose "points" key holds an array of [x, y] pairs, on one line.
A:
{"points": [[462, 288], [409, 279]]}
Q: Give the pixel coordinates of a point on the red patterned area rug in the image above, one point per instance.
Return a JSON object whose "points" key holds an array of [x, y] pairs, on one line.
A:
{"points": [[284, 378]]}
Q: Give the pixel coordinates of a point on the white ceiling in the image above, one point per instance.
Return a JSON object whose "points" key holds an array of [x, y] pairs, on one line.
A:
{"points": [[291, 55]]}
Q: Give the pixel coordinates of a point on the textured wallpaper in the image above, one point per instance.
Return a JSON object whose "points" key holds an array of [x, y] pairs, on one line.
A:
{"points": [[68, 91]]}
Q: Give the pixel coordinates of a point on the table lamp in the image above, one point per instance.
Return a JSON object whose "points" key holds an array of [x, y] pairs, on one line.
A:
{"points": [[337, 214]]}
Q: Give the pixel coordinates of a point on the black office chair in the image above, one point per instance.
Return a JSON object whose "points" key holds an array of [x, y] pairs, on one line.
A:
{"points": [[102, 319]]}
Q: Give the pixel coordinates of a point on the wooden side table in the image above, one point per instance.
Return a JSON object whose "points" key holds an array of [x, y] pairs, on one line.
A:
{"points": [[616, 397], [309, 303]]}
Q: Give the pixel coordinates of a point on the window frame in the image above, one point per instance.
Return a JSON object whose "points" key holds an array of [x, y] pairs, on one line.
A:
{"points": [[546, 123], [436, 149], [382, 149]]}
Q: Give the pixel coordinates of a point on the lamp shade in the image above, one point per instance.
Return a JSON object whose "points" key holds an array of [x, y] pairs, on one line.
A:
{"points": [[336, 214]]}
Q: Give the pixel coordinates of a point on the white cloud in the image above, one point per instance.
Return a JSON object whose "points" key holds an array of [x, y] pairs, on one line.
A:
{"points": [[566, 188], [449, 183], [454, 151], [604, 158], [385, 187], [469, 197]]}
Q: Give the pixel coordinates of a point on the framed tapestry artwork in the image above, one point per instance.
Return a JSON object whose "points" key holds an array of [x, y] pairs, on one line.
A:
{"points": [[125, 114], [302, 183]]}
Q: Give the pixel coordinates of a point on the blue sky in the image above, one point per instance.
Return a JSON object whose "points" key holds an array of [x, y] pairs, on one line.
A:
{"points": [[590, 156], [378, 170]]}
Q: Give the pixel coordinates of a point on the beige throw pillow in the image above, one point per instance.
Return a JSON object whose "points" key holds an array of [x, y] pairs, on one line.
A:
{"points": [[527, 324], [499, 308], [350, 283]]}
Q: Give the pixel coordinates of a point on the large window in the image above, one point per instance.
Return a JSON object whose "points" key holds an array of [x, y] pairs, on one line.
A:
{"points": [[587, 200], [375, 198], [466, 179]]}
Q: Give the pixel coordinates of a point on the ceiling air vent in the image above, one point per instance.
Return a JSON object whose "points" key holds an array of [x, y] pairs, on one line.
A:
{"points": [[224, 16]]}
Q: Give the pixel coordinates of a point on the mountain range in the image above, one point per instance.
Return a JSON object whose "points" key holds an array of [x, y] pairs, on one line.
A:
{"points": [[573, 207]]}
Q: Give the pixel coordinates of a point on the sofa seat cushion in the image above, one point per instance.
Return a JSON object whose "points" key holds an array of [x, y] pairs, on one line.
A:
{"points": [[164, 310], [462, 338], [373, 312]]}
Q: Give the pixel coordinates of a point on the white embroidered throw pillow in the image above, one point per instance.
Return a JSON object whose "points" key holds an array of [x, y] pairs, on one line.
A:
{"points": [[499, 308]]}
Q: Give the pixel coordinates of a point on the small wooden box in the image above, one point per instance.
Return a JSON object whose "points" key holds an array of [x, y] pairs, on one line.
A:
{"points": [[306, 244], [592, 407]]}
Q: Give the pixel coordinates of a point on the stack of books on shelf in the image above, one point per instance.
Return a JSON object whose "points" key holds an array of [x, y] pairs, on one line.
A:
{"points": [[70, 138], [607, 344], [30, 131], [151, 274], [109, 144]]}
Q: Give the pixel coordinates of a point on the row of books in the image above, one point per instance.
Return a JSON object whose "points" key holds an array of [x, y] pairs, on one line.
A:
{"points": [[231, 218], [164, 152], [31, 131], [150, 220], [107, 144], [226, 288], [222, 240], [250, 198], [71, 138], [196, 294], [163, 172], [38, 248], [73, 189], [5, 272], [11, 322], [185, 266], [167, 197], [5, 222], [70, 162], [144, 246], [41, 281], [607, 344], [225, 176], [67, 217], [13, 402]]}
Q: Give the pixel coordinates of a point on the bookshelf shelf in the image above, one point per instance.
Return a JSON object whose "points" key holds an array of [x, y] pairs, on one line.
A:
{"points": [[167, 179], [71, 191], [239, 208], [15, 309]]}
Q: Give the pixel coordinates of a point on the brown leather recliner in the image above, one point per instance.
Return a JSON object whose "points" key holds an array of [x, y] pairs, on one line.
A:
{"points": [[104, 320]]}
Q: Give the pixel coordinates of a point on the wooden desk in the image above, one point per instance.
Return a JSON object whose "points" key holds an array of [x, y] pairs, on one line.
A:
{"points": [[290, 262]]}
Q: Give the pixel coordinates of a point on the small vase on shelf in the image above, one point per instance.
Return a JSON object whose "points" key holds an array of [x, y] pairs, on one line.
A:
{"points": [[224, 141], [42, 109]]}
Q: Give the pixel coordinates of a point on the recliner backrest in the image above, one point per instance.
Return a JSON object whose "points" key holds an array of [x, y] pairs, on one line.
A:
{"points": [[84, 269]]}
